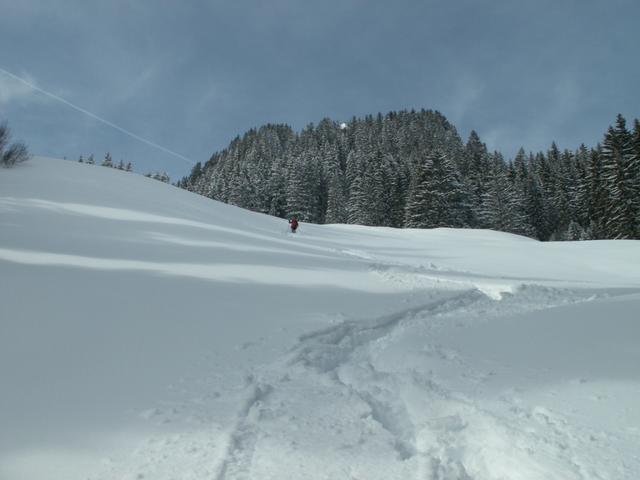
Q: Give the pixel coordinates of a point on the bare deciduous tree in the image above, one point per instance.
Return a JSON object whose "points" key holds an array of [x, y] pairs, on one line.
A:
{"points": [[11, 154]]}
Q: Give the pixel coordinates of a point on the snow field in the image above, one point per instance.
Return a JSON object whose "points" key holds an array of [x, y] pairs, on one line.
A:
{"points": [[149, 333]]}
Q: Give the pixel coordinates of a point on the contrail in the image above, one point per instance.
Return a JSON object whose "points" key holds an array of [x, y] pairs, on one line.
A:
{"points": [[96, 117]]}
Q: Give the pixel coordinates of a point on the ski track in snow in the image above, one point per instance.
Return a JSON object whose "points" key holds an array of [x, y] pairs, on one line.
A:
{"points": [[442, 437], [242, 440], [421, 428], [326, 351], [440, 444]]}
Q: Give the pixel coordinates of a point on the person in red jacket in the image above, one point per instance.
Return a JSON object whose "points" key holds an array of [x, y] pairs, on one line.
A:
{"points": [[293, 223]]}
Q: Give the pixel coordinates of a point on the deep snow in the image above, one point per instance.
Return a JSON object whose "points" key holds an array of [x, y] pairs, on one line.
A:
{"points": [[146, 332]]}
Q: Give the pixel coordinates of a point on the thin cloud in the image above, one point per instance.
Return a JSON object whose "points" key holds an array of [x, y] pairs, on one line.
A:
{"points": [[32, 86], [466, 93], [12, 90]]}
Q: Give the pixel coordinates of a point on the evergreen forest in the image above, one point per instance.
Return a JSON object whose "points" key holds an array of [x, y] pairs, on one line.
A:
{"points": [[411, 169]]}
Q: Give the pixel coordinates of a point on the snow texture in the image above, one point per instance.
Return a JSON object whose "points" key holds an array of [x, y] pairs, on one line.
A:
{"points": [[149, 333]]}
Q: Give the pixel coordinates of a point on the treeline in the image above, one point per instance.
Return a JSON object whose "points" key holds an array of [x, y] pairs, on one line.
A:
{"points": [[107, 162], [128, 167], [412, 169]]}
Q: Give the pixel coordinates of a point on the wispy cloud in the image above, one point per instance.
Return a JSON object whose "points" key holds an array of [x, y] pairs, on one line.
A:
{"points": [[12, 90], [144, 80], [464, 100], [567, 97], [196, 74], [77, 108]]}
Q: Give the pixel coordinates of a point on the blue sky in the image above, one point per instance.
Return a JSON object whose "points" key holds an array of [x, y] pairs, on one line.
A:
{"points": [[191, 75]]}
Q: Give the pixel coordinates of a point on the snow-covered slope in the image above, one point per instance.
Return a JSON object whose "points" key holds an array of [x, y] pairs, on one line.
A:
{"points": [[146, 332]]}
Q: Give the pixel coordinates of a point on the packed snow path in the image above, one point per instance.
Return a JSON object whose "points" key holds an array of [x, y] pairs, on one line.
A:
{"points": [[148, 333]]}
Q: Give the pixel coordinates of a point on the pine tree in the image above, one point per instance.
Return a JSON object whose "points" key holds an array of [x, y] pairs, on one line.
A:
{"points": [[547, 219], [524, 183], [376, 192], [574, 232], [565, 190], [241, 189], [419, 201], [332, 173], [397, 181], [108, 161], [635, 142], [299, 196], [196, 172], [336, 200], [634, 175], [580, 199], [618, 177], [277, 186], [434, 192], [503, 205], [534, 204], [475, 168], [595, 193], [357, 201]]}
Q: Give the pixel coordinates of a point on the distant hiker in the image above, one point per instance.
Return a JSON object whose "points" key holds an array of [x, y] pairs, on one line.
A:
{"points": [[293, 223]]}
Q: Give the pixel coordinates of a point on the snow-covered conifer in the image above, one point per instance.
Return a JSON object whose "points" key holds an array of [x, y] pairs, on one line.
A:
{"points": [[618, 175], [108, 161]]}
